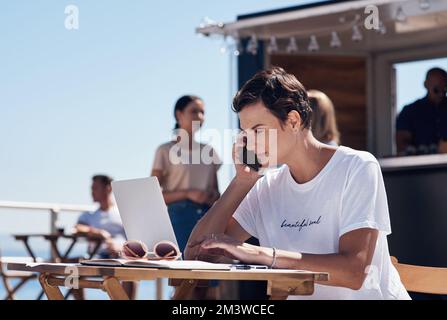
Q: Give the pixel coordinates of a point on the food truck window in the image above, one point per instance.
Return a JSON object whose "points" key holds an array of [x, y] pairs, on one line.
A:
{"points": [[414, 133]]}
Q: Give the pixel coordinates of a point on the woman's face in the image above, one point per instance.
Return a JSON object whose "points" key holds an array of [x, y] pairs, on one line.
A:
{"points": [[265, 136], [194, 112]]}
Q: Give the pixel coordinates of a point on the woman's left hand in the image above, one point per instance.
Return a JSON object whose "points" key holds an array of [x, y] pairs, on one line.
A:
{"points": [[223, 245]]}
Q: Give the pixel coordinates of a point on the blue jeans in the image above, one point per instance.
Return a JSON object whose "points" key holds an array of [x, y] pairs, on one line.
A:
{"points": [[184, 215]]}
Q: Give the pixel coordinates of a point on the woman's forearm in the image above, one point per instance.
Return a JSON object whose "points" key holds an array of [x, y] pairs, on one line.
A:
{"points": [[217, 218], [345, 270]]}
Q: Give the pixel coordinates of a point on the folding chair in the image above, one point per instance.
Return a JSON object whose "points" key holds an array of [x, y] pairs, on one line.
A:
{"points": [[22, 276], [420, 279]]}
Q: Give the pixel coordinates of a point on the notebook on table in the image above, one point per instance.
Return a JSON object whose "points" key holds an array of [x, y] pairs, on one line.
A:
{"points": [[160, 264]]}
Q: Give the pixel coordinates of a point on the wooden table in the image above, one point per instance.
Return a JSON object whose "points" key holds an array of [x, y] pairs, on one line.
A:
{"points": [[281, 283], [53, 238], [57, 255]]}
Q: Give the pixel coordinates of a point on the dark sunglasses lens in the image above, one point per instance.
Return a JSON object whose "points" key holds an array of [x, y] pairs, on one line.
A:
{"points": [[165, 250], [136, 248], [126, 253]]}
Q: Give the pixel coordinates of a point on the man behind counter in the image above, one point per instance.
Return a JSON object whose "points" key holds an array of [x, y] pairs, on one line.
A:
{"points": [[421, 127]]}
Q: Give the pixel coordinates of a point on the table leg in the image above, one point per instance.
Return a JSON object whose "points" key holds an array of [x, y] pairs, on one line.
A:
{"points": [[280, 290], [53, 293], [114, 289], [185, 290], [70, 247], [95, 249], [29, 250], [56, 255], [78, 294], [8, 287], [11, 291], [41, 294], [159, 288]]}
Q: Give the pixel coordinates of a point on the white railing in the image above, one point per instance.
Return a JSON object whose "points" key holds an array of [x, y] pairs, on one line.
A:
{"points": [[54, 209]]}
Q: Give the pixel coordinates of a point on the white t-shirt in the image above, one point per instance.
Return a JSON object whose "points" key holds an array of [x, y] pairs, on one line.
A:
{"points": [[109, 221], [347, 194]]}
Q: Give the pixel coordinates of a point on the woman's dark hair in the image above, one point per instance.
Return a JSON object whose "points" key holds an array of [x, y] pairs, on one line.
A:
{"points": [[181, 104], [279, 91]]}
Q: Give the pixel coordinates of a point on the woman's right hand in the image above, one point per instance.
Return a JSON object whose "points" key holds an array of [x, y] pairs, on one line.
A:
{"points": [[244, 174]]}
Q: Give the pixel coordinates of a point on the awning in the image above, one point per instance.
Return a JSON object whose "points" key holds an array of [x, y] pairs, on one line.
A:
{"points": [[403, 23]]}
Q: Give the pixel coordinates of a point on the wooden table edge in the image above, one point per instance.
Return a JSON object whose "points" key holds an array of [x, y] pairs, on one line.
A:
{"points": [[147, 273]]}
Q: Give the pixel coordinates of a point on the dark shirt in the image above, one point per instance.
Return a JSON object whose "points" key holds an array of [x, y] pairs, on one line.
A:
{"points": [[426, 122]]}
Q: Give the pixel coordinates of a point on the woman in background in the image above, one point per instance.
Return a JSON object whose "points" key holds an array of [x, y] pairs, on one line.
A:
{"points": [[189, 184], [324, 123]]}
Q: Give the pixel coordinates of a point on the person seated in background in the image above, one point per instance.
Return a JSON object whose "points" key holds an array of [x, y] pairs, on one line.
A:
{"points": [[324, 123], [105, 222], [421, 126]]}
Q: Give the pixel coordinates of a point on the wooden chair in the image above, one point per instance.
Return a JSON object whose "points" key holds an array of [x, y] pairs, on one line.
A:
{"points": [[420, 279], [7, 276]]}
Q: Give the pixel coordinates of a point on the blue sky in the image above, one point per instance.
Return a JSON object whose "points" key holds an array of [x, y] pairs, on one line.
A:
{"points": [[100, 99], [410, 78]]}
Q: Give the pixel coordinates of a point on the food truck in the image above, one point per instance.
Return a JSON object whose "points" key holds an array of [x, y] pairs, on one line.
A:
{"points": [[349, 49]]}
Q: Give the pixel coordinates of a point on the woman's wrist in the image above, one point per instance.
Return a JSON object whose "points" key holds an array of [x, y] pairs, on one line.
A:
{"points": [[263, 255], [269, 257]]}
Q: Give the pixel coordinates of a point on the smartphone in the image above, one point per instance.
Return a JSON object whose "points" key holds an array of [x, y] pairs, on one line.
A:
{"points": [[248, 156], [248, 266]]}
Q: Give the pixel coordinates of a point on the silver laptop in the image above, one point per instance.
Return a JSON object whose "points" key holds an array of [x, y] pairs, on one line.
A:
{"points": [[143, 211]]}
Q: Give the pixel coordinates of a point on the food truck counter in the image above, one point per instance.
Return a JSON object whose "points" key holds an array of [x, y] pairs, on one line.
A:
{"points": [[417, 197]]}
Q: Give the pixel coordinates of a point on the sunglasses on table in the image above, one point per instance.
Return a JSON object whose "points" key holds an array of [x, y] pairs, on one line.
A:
{"points": [[163, 250]]}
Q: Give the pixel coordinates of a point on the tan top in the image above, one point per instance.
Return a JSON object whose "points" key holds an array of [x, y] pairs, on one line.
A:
{"points": [[187, 169]]}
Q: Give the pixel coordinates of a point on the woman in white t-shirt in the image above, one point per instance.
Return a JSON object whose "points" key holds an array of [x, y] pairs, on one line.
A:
{"points": [[325, 209]]}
